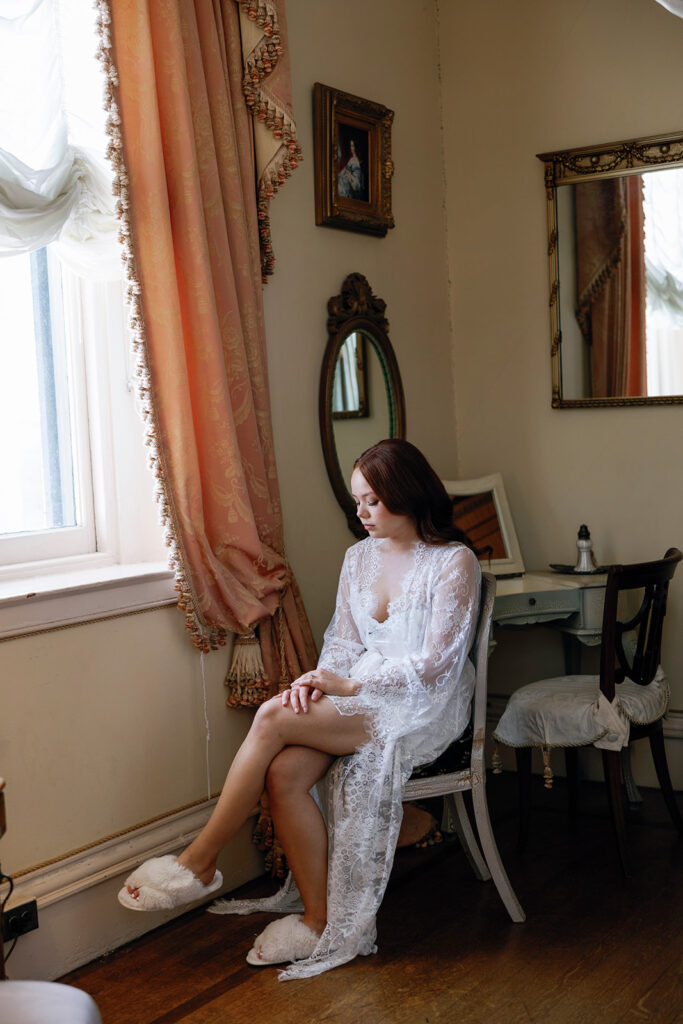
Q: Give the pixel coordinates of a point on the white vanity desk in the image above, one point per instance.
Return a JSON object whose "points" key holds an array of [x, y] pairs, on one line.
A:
{"points": [[574, 603], [571, 604]]}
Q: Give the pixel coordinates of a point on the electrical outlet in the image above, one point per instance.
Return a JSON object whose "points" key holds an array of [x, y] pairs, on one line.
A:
{"points": [[19, 920]]}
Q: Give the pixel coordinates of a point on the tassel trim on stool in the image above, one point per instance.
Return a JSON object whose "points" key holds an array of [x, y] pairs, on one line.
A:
{"points": [[496, 760], [547, 770]]}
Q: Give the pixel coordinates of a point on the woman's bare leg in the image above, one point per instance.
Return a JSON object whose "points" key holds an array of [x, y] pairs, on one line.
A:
{"points": [[299, 825], [274, 728]]}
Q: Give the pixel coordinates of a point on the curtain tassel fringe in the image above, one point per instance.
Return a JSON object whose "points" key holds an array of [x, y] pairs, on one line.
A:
{"points": [[265, 840], [246, 677]]}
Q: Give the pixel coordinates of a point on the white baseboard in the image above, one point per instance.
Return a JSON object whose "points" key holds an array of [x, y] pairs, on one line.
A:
{"points": [[79, 917]]}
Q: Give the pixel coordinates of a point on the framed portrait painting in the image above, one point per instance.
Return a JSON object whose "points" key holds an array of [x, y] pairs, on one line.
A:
{"points": [[353, 164]]}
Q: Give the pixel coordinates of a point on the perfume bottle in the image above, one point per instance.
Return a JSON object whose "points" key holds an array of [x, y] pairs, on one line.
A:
{"points": [[586, 561]]}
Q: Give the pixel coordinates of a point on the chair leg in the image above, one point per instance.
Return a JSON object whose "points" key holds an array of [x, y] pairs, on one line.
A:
{"points": [[456, 819], [612, 768], [523, 759], [656, 738], [571, 763], [488, 845], [633, 797]]}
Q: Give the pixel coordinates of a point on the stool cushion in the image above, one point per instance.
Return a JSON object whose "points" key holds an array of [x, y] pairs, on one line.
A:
{"points": [[46, 1002], [570, 711]]}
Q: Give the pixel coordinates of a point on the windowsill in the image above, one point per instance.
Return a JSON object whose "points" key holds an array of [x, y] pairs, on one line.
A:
{"points": [[34, 603]]}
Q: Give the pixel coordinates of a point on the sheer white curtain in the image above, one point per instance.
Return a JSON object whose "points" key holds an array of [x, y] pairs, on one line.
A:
{"points": [[675, 6], [55, 185]]}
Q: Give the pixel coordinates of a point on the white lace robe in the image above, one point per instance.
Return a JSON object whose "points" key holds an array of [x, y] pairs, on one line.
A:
{"points": [[417, 683]]}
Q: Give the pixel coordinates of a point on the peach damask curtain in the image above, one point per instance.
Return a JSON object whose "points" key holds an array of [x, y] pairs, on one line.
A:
{"points": [[181, 120]]}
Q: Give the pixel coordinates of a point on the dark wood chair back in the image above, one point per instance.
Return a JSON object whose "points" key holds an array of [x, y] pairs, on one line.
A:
{"points": [[639, 662]]}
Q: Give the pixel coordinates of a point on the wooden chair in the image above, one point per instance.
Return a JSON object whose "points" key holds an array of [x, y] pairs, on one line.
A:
{"points": [[440, 779], [626, 702]]}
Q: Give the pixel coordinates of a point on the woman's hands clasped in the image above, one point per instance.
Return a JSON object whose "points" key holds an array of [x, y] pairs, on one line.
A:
{"points": [[313, 685]]}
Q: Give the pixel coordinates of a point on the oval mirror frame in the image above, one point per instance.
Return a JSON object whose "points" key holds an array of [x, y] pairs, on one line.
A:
{"points": [[356, 309], [590, 163]]}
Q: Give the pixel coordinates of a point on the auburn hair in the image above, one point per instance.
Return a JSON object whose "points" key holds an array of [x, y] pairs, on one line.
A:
{"points": [[406, 484]]}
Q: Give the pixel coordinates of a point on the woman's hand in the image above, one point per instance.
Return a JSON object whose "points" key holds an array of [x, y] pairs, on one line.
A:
{"points": [[313, 685]]}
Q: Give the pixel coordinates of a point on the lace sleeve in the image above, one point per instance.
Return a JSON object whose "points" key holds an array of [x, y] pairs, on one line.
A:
{"points": [[342, 645], [422, 679]]}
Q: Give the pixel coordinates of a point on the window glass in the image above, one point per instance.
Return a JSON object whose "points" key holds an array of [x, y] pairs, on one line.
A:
{"points": [[36, 459]]}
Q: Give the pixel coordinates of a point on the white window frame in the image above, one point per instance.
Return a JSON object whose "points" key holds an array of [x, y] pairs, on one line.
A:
{"points": [[126, 568], [65, 541]]}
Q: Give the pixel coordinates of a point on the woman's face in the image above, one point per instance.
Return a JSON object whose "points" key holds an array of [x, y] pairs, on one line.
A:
{"points": [[375, 516]]}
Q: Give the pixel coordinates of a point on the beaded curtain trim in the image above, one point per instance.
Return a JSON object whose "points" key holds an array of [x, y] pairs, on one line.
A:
{"points": [[258, 65], [264, 107]]}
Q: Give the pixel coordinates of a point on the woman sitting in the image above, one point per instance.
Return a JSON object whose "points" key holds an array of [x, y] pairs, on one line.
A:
{"points": [[392, 688]]}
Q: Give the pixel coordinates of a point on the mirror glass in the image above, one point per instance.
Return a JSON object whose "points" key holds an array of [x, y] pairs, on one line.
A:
{"points": [[615, 217], [355, 431], [350, 384], [621, 312], [477, 517], [481, 510], [361, 394]]}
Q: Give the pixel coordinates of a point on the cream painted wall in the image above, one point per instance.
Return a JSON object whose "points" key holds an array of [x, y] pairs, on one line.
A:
{"points": [[103, 728], [383, 51], [521, 79], [103, 724]]}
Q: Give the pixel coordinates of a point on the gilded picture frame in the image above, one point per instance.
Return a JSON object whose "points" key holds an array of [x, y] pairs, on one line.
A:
{"points": [[353, 162]]}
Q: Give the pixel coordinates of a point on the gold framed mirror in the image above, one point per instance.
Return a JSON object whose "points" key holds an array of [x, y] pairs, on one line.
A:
{"points": [[615, 251], [361, 395]]}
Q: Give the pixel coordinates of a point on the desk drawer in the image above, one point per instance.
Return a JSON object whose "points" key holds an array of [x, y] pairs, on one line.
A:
{"points": [[523, 609]]}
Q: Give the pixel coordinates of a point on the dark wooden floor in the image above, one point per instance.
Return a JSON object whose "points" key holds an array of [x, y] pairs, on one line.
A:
{"points": [[594, 949]]}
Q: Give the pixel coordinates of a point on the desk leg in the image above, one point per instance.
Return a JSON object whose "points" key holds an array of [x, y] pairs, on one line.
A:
{"points": [[632, 792]]}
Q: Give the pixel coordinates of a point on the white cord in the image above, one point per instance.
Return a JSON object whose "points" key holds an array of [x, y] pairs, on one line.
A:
{"points": [[207, 727]]}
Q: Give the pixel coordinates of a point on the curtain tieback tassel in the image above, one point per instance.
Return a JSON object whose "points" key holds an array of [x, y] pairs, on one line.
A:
{"points": [[246, 677]]}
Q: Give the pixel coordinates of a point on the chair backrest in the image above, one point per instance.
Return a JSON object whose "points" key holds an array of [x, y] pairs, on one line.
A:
{"points": [[480, 656], [639, 663]]}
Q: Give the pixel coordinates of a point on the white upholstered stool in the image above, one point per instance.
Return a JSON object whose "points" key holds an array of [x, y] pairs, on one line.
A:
{"points": [[45, 1002]]}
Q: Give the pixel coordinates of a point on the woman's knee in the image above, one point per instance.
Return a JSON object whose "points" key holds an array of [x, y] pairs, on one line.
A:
{"points": [[267, 715], [283, 777]]}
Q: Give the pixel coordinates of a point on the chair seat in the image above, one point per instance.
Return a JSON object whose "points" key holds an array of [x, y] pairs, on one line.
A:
{"points": [[455, 758], [570, 711]]}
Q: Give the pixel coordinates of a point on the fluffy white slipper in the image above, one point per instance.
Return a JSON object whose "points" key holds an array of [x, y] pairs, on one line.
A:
{"points": [[164, 884], [282, 942]]}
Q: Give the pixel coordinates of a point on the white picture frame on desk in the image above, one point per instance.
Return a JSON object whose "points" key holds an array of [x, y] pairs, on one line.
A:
{"points": [[481, 510]]}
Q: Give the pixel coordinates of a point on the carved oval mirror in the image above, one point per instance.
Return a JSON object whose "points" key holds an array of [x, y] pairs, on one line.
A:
{"points": [[361, 395], [615, 244]]}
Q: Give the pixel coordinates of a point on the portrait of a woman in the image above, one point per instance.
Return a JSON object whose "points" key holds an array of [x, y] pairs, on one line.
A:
{"points": [[352, 180]]}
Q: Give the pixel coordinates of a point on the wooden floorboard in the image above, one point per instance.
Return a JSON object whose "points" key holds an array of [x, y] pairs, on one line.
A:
{"points": [[594, 949]]}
